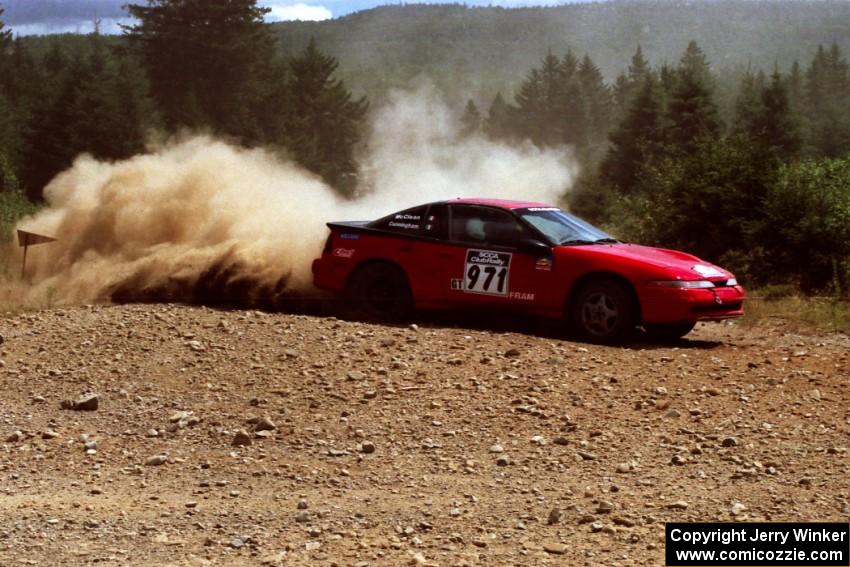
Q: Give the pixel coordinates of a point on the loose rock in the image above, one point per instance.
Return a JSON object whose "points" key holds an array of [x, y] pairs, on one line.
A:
{"points": [[241, 439], [86, 402]]}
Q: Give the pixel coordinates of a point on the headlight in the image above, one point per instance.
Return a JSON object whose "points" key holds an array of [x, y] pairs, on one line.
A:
{"points": [[698, 284], [707, 271], [731, 281]]}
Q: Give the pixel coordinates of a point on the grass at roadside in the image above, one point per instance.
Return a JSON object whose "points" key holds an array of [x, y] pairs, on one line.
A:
{"points": [[13, 207], [819, 313]]}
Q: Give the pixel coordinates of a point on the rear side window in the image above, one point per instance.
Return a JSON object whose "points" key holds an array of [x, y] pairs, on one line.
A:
{"points": [[410, 221], [483, 225], [437, 222]]}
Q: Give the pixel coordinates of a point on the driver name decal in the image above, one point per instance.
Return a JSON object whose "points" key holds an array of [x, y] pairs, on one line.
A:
{"points": [[486, 272]]}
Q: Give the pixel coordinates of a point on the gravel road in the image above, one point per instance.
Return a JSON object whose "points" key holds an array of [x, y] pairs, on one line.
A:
{"points": [[175, 435]]}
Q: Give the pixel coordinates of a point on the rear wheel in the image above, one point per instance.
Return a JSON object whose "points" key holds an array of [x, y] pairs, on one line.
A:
{"points": [[604, 312], [379, 292], [666, 332]]}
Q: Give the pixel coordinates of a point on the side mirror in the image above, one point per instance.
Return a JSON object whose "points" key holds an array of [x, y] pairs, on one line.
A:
{"points": [[534, 247]]}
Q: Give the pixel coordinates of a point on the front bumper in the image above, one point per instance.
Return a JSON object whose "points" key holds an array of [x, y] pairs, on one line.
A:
{"points": [[672, 305]]}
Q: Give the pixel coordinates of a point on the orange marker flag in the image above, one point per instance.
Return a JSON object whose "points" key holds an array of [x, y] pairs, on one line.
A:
{"points": [[30, 238]]}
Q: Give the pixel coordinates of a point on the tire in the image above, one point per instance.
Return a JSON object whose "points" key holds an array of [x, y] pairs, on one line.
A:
{"points": [[668, 332], [379, 292], [604, 311]]}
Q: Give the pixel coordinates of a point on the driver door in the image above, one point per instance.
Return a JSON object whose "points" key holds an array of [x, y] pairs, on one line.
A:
{"points": [[488, 267]]}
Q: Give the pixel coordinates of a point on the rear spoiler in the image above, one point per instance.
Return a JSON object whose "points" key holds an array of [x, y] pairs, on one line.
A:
{"points": [[348, 224]]}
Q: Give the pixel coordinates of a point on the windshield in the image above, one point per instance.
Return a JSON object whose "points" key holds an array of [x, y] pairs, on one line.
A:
{"points": [[563, 228]]}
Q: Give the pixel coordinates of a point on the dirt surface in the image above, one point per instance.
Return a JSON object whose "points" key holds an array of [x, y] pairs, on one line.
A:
{"points": [[403, 445]]}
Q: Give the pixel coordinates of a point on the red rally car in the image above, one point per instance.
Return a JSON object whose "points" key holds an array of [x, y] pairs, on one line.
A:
{"points": [[502, 256]]}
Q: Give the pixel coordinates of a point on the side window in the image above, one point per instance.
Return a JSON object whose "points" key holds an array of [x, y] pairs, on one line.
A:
{"points": [[485, 226], [437, 222], [410, 221]]}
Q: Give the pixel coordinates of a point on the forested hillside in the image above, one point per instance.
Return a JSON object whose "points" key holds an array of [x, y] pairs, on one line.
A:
{"points": [[489, 49]]}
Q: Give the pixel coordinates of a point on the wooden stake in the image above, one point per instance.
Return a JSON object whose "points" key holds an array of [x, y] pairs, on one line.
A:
{"points": [[24, 263]]}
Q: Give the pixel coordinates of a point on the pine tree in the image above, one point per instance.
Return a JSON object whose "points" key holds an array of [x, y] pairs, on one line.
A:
{"points": [[5, 35], [775, 127], [471, 120], [795, 87], [539, 102], [552, 107], [627, 85], [206, 61], [528, 112], [498, 123], [326, 120], [22, 87], [102, 109], [748, 103], [667, 79], [692, 111], [9, 137], [53, 143], [622, 92], [94, 109], [827, 101], [9, 146], [639, 140], [569, 64], [597, 100], [571, 109], [137, 113], [639, 67]]}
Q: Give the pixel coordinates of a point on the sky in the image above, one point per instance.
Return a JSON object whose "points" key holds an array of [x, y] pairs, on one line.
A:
{"points": [[37, 17]]}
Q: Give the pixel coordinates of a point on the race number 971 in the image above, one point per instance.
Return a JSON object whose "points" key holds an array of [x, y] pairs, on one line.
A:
{"points": [[487, 272]]}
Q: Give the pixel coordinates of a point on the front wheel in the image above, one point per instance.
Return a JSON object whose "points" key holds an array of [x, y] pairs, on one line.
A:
{"points": [[604, 312], [379, 292], [667, 332]]}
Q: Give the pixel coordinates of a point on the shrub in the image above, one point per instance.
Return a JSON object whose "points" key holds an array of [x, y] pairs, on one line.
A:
{"points": [[807, 223]]}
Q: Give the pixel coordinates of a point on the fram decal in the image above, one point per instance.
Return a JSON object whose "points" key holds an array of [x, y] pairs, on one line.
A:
{"points": [[521, 296], [349, 236], [343, 252], [543, 264]]}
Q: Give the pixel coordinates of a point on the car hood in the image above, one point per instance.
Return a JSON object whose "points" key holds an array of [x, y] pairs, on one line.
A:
{"points": [[660, 261]]}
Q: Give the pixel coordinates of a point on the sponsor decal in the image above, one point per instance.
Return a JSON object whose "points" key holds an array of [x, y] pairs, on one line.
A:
{"points": [[486, 272], [349, 236], [407, 217], [542, 209], [343, 252], [521, 296], [430, 221], [404, 225], [487, 257], [457, 283], [543, 264]]}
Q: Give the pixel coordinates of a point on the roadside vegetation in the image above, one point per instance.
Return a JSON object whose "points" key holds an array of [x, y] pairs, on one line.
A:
{"points": [[13, 206], [801, 312]]}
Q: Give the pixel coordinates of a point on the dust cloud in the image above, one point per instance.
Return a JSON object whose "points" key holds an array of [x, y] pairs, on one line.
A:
{"points": [[201, 220]]}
